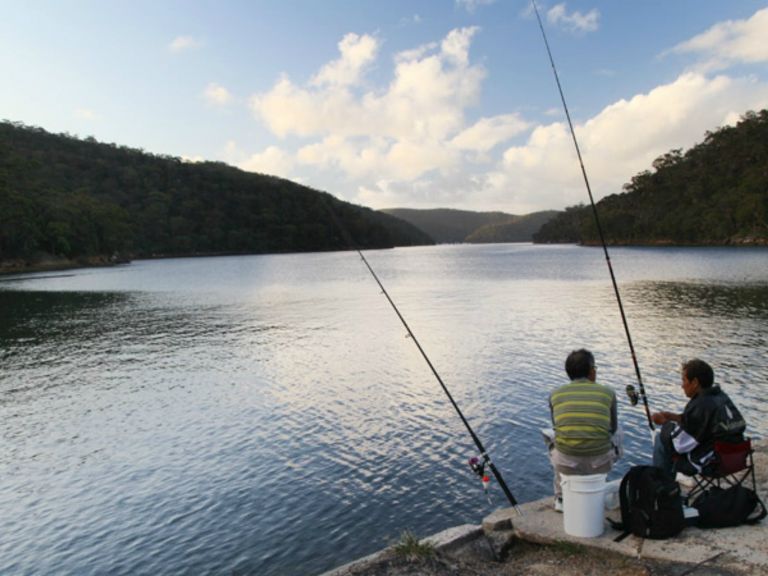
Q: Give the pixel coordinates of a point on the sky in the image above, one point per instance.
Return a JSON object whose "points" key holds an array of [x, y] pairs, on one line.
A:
{"points": [[417, 103]]}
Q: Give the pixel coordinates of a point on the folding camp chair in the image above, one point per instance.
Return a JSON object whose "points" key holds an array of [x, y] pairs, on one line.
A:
{"points": [[732, 465]]}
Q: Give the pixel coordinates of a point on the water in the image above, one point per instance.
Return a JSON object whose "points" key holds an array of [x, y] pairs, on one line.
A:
{"points": [[266, 415]]}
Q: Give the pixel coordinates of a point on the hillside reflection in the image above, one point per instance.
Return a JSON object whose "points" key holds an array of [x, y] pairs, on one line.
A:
{"points": [[676, 298]]}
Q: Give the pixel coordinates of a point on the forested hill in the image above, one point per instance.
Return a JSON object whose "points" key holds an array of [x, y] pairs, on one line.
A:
{"points": [[514, 229], [714, 194], [447, 225], [79, 199]]}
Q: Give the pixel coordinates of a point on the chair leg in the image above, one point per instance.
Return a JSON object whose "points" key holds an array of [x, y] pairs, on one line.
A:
{"points": [[702, 484]]}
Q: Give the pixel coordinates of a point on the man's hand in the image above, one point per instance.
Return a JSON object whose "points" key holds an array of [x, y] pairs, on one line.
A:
{"points": [[661, 418]]}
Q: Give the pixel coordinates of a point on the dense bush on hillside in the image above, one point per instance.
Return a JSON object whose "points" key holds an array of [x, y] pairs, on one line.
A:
{"points": [[715, 193], [447, 225], [76, 198], [516, 229]]}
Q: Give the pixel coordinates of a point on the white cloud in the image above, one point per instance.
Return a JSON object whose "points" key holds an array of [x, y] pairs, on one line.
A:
{"points": [[455, 46], [288, 109], [416, 53], [401, 132], [357, 52], [183, 43], [272, 160], [456, 188], [216, 94], [622, 140], [575, 21], [472, 5], [409, 159], [486, 133], [731, 42], [360, 159], [354, 157]]}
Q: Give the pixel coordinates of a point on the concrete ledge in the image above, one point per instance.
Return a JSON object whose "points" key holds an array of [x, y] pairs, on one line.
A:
{"points": [[454, 538], [500, 520], [450, 541]]}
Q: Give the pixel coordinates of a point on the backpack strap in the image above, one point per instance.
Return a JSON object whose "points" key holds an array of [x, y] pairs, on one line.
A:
{"points": [[627, 484], [760, 515], [621, 536]]}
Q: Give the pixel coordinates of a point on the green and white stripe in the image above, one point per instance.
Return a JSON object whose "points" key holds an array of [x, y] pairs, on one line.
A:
{"points": [[581, 413]]}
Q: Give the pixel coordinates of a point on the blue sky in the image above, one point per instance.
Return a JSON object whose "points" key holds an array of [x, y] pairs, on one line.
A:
{"points": [[412, 103]]}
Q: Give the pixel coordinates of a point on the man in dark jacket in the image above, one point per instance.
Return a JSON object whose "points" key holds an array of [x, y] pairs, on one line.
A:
{"points": [[709, 415]]}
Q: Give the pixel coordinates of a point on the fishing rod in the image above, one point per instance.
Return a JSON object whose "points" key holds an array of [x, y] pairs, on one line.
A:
{"points": [[477, 467], [634, 396]]}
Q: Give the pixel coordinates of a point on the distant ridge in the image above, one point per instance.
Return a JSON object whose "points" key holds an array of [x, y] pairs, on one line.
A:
{"points": [[446, 225]]}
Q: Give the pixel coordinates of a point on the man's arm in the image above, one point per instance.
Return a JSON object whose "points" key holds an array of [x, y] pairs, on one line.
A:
{"points": [[681, 440]]}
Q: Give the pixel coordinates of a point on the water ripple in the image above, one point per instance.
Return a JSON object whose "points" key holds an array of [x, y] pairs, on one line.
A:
{"points": [[267, 415]]}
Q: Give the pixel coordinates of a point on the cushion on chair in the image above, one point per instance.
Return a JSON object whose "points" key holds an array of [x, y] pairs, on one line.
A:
{"points": [[732, 457]]}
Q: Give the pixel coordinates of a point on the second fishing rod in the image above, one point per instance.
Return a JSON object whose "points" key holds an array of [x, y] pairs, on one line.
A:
{"points": [[486, 459], [631, 392]]}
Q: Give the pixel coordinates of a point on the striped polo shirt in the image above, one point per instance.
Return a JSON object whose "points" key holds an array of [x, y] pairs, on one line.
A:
{"points": [[581, 414]]}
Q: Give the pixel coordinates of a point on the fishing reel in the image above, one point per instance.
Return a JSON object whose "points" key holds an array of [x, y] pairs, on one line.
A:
{"points": [[632, 394], [478, 467]]}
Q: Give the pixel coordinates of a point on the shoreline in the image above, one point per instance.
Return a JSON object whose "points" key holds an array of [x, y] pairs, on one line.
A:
{"points": [[732, 243], [52, 264], [48, 263]]}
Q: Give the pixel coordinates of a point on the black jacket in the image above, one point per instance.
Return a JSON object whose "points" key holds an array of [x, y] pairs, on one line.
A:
{"points": [[710, 416]]}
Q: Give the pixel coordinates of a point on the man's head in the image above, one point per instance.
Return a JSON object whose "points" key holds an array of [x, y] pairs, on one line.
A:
{"points": [[696, 375], [580, 364]]}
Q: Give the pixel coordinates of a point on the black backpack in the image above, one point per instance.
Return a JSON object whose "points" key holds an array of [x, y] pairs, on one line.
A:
{"points": [[651, 504], [731, 506]]}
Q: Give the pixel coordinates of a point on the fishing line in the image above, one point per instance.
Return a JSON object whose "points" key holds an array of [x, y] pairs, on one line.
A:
{"points": [[483, 454], [633, 395]]}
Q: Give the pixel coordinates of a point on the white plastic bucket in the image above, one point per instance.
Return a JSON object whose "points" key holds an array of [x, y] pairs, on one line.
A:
{"points": [[583, 504]]}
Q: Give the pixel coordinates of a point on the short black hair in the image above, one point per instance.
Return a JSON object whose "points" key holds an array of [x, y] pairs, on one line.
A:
{"points": [[579, 363], [699, 369]]}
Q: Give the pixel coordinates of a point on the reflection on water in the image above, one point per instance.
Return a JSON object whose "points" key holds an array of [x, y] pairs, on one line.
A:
{"points": [[683, 298], [267, 415], [725, 322]]}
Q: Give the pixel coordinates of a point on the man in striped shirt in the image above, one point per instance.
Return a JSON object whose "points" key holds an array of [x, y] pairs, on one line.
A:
{"points": [[584, 416]]}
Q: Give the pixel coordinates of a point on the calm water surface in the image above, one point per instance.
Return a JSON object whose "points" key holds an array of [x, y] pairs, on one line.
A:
{"points": [[267, 415]]}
